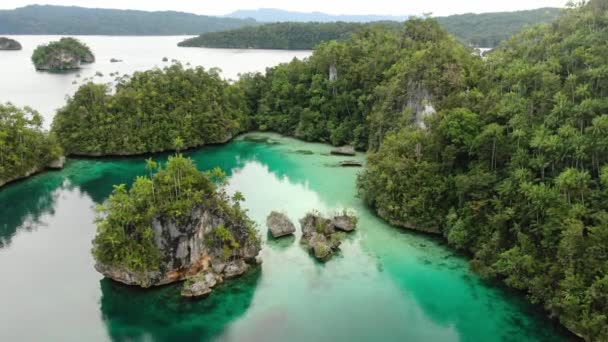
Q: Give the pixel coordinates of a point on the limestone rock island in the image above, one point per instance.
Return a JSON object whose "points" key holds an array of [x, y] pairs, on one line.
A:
{"points": [[65, 54], [173, 225]]}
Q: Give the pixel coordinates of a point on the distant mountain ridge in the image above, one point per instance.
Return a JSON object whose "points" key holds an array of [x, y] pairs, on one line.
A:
{"points": [[47, 19], [267, 15]]}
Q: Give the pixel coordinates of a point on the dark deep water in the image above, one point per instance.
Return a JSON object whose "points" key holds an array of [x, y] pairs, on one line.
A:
{"points": [[386, 285]]}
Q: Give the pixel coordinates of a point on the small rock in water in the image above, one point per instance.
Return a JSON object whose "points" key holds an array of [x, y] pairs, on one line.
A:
{"points": [[279, 224], [114, 60], [351, 163], [165, 59], [344, 151], [200, 284], [345, 223], [235, 268]]}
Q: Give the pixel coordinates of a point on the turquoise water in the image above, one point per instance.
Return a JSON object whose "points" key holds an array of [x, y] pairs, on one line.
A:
{"points": [[386, 284]]}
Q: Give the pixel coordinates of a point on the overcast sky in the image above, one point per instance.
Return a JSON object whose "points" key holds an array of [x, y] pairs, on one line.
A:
{"points": [[221, 7]]}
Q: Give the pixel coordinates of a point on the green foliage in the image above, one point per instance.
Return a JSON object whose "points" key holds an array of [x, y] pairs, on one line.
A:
{"points": [[516, 175], [125, 237], [24, 145], [157, 110], [67, 45]]}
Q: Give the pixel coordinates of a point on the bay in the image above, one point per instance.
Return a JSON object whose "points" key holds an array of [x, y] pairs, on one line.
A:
{"points": [[386, 284]]}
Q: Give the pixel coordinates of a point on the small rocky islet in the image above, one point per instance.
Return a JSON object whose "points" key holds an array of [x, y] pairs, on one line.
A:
{"points": [[323, 236], [9, 44], [64, 54], [190, 230]]}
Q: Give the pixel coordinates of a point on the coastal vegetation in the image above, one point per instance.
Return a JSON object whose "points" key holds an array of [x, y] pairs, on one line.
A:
{"points": [[149, 111], [25, 148], [64, 54]]}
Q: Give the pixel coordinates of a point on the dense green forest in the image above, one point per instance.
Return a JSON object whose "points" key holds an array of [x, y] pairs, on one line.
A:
{"points": [[489, 29], [24, 147], [125, 238], [289, 36], [482, 30], [149, 111], [519, 178], [63, 20]]}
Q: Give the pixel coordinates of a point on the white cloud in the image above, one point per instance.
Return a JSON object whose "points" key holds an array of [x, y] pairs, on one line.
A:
{"points": [[396, 7]]}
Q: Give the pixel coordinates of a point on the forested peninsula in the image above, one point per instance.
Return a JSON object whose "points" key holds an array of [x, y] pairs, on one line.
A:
{"points": [[25, 149], [287, 36], [504, 157], [149, 112]]}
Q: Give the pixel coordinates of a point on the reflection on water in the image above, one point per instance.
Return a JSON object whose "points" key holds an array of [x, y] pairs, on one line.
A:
{"points": [[162, 315], [384, 285]]}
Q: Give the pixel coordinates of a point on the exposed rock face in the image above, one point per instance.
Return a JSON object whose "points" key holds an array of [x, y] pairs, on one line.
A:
{"points": [[344, 151], [279, 224], [319, 234], [9, 44], [62, 60], [419, 102], [186, 252], [57, 164], [333, 73]]}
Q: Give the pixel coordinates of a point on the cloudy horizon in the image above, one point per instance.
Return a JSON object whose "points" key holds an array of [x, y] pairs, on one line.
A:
{"points": [[334, 7]]}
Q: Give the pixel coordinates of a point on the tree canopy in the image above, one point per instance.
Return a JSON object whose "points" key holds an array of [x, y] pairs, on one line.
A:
{"points": [[24, 146], [149, 111]]}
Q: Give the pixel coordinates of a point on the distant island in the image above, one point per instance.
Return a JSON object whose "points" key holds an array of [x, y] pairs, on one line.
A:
{"points": [[9, 44], [288, 36], [65, 54], [64, 20], [490, 29], [479, 30]]}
